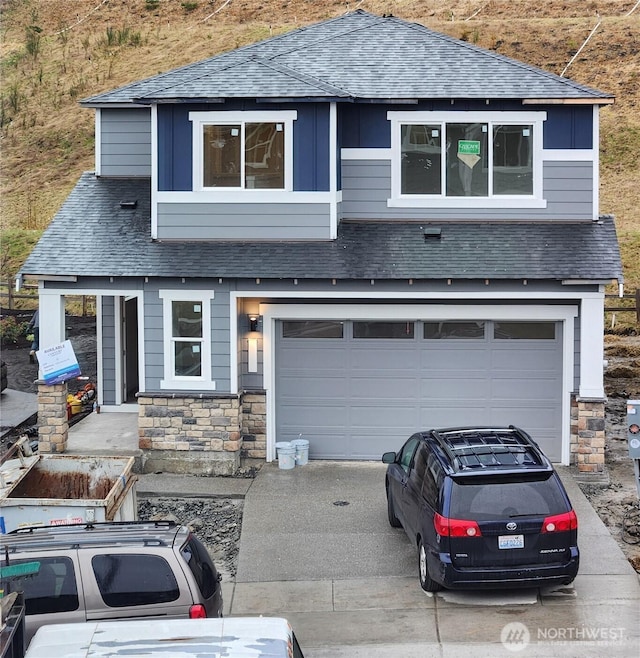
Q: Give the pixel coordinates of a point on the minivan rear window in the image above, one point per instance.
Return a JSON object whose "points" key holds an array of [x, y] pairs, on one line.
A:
{"points": [[52, 589], [502, 499], [134, 579]]}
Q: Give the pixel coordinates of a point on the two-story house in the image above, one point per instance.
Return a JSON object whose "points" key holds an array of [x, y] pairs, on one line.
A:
{"points": [[349, 232]]}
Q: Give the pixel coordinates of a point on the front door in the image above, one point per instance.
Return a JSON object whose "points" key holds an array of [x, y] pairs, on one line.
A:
{"points": [[129, 349]]}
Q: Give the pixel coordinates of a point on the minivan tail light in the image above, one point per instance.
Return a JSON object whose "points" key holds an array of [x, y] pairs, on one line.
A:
{"points": [[560, 522], [455, 527], [197, 611]]}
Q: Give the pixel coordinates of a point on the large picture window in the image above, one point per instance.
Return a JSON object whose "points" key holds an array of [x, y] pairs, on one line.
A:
{"points": [[187, 342], [243, 150], [456, 156]]}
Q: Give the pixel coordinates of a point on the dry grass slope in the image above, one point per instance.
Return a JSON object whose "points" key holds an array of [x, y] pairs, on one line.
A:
{"points": [[56, 52]]}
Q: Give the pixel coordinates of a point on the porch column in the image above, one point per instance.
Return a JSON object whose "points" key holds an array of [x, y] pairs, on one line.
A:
{"points": [[53, 426], [588, 422], [592, 348]]}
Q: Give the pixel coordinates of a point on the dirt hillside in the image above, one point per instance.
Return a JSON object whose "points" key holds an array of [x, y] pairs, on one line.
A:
{"points": [[56, 52]]}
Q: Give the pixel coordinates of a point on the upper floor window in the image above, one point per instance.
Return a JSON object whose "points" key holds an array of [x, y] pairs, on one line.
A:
{"points": [[243, 150], [466, 158]]}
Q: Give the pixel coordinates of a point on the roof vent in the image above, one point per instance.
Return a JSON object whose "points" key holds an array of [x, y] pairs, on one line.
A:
{"points": [[432, 233], [129, 205]]}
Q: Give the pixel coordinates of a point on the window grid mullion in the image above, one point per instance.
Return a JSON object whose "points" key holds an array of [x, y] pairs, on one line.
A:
{"points": [[490, 138], [243, 182]]}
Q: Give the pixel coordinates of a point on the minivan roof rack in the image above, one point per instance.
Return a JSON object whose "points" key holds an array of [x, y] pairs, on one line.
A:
{"points": [[496, 448]]}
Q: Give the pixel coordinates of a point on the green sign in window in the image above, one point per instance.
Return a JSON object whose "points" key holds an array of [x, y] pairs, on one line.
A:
{"points": [[468, 147]]}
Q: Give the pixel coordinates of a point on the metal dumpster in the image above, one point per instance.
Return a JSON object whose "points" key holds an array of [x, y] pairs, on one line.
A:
{"points": [[46, 490]]}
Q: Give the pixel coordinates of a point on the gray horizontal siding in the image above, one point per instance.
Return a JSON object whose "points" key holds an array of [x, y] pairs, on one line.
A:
{"points": [[108, 373], [366, 186], [255, 221], [154, 333], [125, 142]]}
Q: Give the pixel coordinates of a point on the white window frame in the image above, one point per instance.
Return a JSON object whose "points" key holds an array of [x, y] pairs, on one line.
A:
{"points": [[399, 200], [171, 380], [201, 119]]}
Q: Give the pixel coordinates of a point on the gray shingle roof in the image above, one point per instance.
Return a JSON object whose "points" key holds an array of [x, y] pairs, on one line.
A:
{"points": [[93, 236], [357, 56]]}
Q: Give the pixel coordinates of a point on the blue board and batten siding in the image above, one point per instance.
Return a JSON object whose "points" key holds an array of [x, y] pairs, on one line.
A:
{"points": [[310, 143], [125, 142]]}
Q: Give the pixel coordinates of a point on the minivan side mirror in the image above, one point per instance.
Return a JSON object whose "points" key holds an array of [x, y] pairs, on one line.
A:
{"points": [[389, 458]]}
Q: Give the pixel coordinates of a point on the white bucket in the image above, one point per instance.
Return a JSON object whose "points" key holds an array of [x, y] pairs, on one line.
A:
{"points": [[286, 455], [302, 451]]}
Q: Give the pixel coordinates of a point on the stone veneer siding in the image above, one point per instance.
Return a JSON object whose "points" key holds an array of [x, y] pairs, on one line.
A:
{"points": [[254, 424], [53, 424], [203, 430], [587, 434]]}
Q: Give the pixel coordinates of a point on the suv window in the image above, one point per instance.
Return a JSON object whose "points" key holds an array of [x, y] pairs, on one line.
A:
{"points": [[512, 498], [199, 561], [134, 579], [52, 589]]}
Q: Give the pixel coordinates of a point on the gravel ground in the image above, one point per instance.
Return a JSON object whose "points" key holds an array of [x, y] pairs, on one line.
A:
{"points": [[217, 522]]}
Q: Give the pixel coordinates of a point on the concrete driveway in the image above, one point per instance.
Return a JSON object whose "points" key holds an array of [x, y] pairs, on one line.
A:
{"points": [[316, 548]]}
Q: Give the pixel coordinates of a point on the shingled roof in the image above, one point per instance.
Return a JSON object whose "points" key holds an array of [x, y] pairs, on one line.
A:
{"points": [[358, 56], [92, 235]]}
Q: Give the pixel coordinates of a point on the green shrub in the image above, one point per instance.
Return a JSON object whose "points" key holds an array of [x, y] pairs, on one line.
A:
{"points": [[12, 331]]}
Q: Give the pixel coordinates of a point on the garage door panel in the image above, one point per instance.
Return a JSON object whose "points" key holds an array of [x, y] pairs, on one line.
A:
{"points": [[457, 360], [523, 361], [378, 389], [301, 416], [538, 388], [356, 398], [315, 387], [453, 415], [448, 388], [396, 358], [375, 418], [298, 358]]}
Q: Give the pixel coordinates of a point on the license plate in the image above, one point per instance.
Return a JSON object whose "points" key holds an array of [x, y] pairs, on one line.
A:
{"points": [[511, 541]]}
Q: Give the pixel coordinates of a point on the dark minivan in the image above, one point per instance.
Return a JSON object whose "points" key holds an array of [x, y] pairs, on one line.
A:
{"points": [[484, 507]]}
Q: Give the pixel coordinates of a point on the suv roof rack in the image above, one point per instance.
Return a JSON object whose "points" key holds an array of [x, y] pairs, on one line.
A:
{"points": [[143, 533], [496, 448]]}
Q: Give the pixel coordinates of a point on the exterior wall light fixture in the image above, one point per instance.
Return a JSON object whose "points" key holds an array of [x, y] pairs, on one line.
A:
{"points": [[253, 321]]}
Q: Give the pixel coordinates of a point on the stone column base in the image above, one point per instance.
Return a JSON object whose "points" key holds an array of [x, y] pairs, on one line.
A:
{"points": [[53, 425], [587, 434]]}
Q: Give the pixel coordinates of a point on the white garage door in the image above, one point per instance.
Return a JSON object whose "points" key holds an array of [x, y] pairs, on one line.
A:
{"points": [[355, 389]]}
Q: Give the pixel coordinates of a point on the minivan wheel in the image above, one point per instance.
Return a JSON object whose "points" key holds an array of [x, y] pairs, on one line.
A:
{"points": [[393, 519], [426, 582]]}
